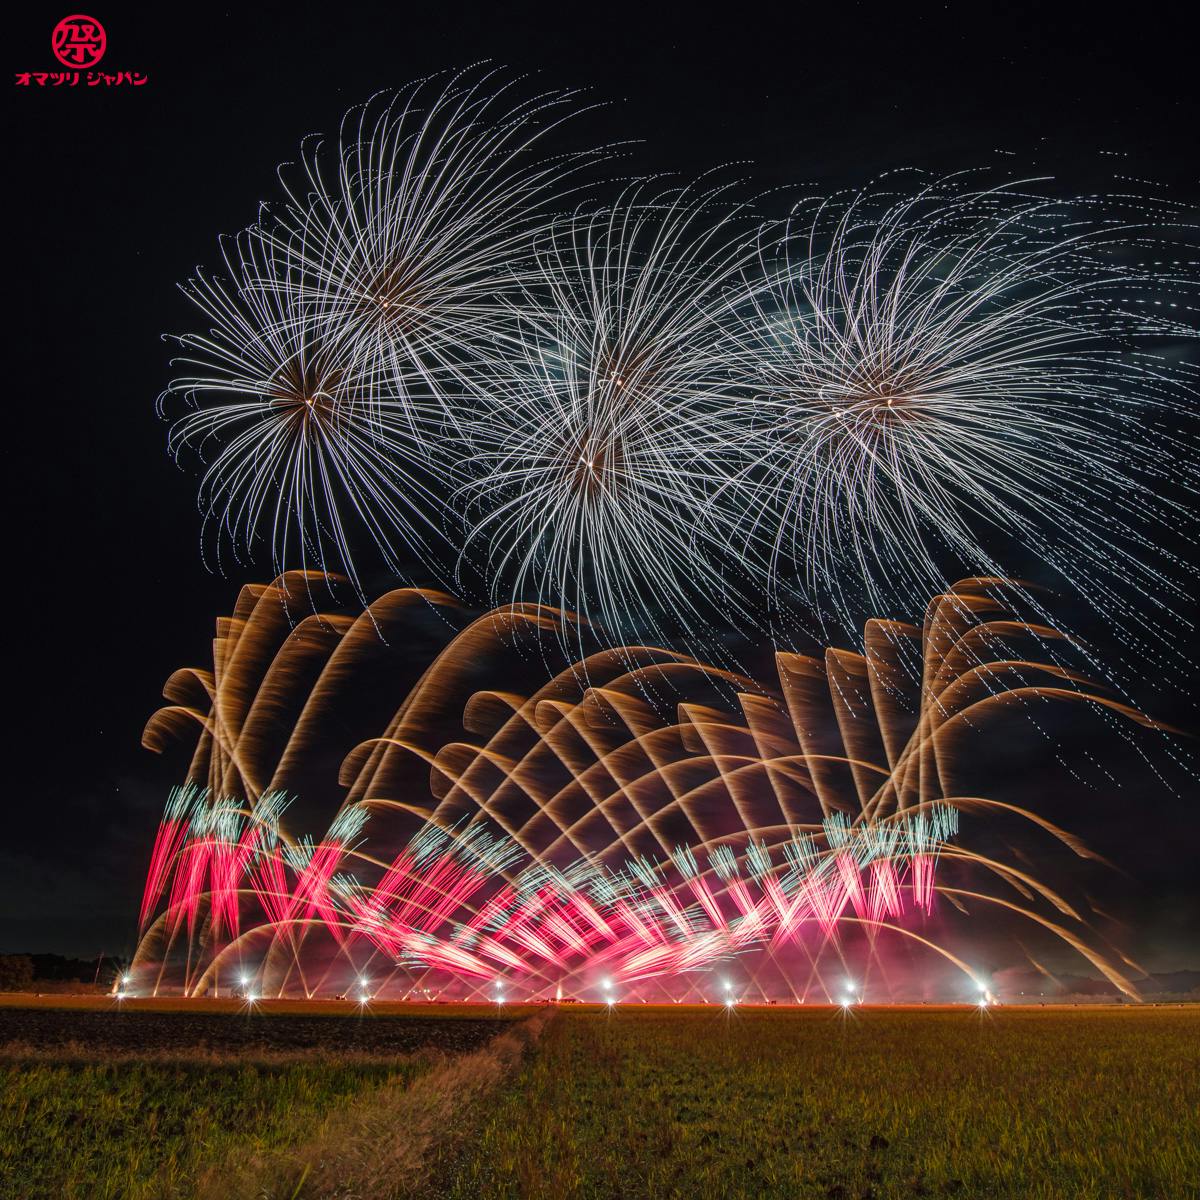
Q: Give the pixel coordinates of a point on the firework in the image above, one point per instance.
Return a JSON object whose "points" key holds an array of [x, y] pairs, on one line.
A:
{"points": [[597, 480], [538, 923], [948, 369], [583, 831], [649, 413], [320, 396]]}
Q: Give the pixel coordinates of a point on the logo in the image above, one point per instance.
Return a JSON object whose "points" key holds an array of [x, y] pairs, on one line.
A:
{"points": [[78, 41]]}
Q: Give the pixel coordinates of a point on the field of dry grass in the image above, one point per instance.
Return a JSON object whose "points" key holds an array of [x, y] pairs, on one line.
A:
{"points": [[249, 1031], [583, 1102], [228, 1004], [186, 1099], [1070, 1103]]}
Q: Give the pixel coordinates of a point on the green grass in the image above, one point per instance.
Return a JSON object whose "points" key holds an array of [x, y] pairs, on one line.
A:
{"points": [[1026, 1104], [677, 1102], [134, 1129]]}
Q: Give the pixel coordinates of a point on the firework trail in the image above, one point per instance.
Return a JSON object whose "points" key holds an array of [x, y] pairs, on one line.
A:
{"points": [[949, 368], [597, 480], [320, 396], [448, 902], [649, 414], [583, 832]]}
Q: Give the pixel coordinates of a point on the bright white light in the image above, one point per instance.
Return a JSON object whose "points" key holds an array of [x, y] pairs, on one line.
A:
{"points": [[730, 1002], [251, 998], [126, 979], [726, 984], [245, 981]]}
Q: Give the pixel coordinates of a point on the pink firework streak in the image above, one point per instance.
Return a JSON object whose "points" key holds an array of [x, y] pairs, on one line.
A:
{"points": [[171, 831], [459, 901]]}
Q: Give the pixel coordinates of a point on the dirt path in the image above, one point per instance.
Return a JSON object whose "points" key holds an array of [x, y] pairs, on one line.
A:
{"points": [[381, 1147]]}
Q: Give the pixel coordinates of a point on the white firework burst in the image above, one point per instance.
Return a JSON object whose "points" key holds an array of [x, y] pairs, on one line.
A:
{"points": [[598, 479], [319, 397], [938, 372], [301, 454], [408, 233]]}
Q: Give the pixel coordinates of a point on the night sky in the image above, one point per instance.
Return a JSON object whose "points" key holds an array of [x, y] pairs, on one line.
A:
{"points": [[116, 195]]}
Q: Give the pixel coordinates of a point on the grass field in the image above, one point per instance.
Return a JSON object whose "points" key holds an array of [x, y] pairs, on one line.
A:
{"points": [[132, 1129], [29, 1002], [1071, 1103], [159, 1098], [249, 1031], [672, 1102]]}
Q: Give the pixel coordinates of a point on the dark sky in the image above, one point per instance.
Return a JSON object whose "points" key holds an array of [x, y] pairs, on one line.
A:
{"points": [[116, 195]]}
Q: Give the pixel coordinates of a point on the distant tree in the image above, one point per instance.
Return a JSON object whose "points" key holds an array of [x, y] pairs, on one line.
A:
{"points": [[58, 967], [16, 972]]}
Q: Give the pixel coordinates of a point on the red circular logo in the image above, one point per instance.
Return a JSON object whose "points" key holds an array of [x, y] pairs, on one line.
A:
{"points": [[78, 41]]}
